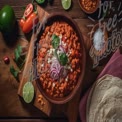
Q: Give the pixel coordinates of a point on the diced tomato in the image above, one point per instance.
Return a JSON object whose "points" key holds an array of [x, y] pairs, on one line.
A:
{"points": [[28, 10]]}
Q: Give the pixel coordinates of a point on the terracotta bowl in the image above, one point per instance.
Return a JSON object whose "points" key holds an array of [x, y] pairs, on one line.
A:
{"points": [[85, 9], [103, 28], [49, 21]]}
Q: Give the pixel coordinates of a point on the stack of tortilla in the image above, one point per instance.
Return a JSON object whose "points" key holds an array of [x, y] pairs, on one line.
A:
{"points": [[104, 103]]}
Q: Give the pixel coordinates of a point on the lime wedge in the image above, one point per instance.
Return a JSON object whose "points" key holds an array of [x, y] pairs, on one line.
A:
{"points": [[66, 4], [28, 92]]}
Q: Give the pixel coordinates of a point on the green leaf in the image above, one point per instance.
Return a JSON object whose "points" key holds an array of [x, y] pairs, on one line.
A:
{"points": [[19, 48], [19, 58], [53, 36], [14, 72], [63, 59], [20, 63], [55, 41], [17, 55]]}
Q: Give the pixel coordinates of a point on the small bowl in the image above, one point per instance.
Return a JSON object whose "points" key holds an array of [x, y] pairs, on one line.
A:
{"points": [[103, 28], [87, 9]]}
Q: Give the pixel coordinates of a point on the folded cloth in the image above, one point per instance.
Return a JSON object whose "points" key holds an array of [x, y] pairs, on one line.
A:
{"points": [[114, 68]]}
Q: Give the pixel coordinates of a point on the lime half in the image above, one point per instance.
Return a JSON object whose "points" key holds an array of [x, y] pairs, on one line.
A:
{"points": [[28, 92], [66, 4]]}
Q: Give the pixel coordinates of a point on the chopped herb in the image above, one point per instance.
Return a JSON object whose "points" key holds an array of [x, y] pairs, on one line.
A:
{"points": [[17, 53], [19, 58], [14, 72], [55, 41], [63, 59], [19, 48], [53, 36]]}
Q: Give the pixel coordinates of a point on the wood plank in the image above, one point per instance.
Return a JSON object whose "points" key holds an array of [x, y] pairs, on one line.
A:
{"points": [[47, 107], [14, 2]]}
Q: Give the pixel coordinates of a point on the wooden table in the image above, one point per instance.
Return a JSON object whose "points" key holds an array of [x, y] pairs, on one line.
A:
{"points": [[10, 104]]}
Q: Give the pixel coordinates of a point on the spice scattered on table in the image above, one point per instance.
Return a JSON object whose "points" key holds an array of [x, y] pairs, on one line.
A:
{"points": [[41, 101]]}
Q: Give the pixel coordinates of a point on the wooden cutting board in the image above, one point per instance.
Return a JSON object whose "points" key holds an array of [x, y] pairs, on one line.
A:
{"points": [[70, 108]]}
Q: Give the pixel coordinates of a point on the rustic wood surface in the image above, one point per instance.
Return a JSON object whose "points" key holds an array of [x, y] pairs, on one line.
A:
{"points": [[11, 105]]}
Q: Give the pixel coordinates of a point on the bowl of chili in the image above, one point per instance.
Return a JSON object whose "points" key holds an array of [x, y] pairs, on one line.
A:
{"points": [[60, 62], [89, 6]]}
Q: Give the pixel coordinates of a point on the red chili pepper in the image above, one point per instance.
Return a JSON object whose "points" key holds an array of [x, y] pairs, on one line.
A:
{"points": [[29, 19], [29, 23], [22, 22]]}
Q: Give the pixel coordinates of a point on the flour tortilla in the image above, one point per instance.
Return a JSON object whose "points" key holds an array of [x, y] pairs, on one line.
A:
{"points": [[105, 100]]}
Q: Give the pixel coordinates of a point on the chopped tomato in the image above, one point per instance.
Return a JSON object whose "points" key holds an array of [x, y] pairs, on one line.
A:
{"points": [[28, 10]]}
